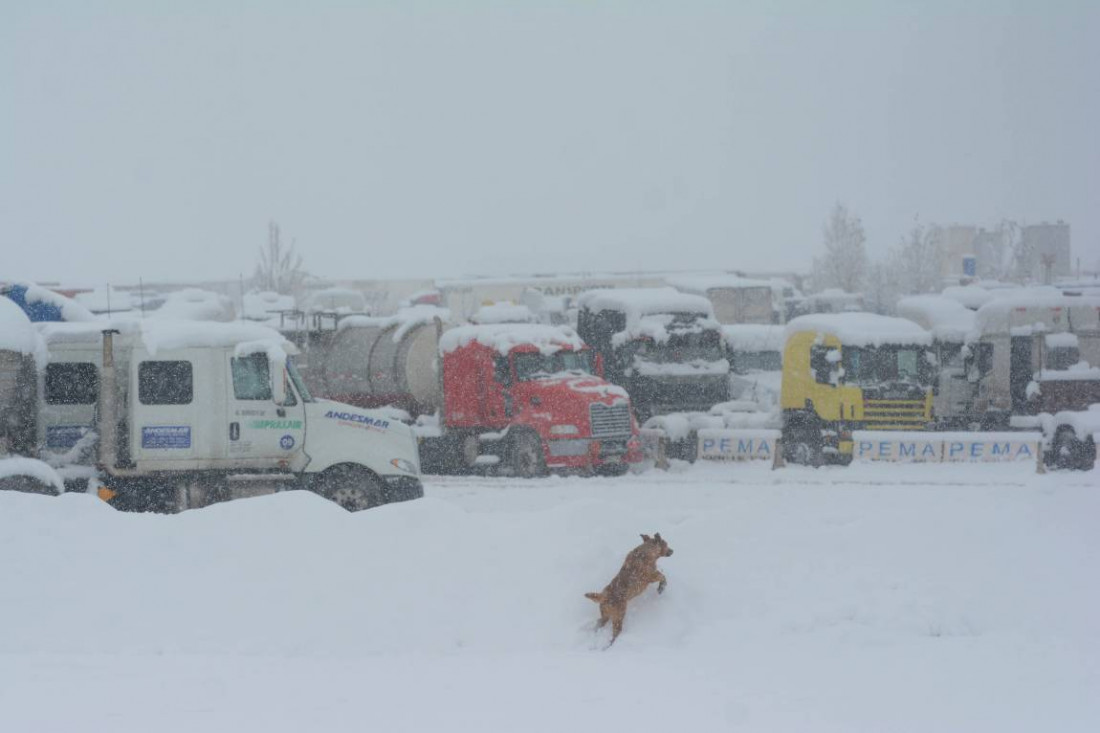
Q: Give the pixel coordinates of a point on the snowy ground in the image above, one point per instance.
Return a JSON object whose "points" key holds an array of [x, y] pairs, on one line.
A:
{"points": [[873, 598]]}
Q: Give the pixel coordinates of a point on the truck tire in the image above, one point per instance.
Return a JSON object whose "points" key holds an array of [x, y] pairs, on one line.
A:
{"points": [[802, 445], [525, 455], [352, 487], [1066, 451]]}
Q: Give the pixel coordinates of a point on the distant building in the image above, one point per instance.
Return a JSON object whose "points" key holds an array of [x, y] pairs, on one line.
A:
{"points": [[1043, 253], [956, 244]]}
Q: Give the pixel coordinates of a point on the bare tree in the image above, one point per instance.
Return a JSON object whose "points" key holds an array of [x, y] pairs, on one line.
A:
{"points": [[845, 262], [279, 268], [916, 261]]}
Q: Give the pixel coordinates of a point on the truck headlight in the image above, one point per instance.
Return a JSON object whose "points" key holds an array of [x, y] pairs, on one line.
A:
{"points": [[564, 430], [403, 465]]}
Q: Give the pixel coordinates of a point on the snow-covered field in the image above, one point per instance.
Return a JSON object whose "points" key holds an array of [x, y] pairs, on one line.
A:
{"points": [[873, 598]]}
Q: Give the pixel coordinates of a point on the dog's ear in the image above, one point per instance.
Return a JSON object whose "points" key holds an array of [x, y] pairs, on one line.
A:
{"points": [[646, 538], [657, 536]]}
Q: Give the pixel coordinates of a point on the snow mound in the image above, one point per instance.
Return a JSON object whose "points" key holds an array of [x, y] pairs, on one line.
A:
{"points": [[946, 318]]}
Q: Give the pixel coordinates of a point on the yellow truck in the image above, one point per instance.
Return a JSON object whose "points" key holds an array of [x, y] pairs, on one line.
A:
{"points": [[852, 371]]}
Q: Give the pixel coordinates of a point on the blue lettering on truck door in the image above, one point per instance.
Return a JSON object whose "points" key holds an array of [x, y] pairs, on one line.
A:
{"points": [[169, 437]]}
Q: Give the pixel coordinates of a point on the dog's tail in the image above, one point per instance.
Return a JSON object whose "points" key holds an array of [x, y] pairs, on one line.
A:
{"points": [[597, 597]]}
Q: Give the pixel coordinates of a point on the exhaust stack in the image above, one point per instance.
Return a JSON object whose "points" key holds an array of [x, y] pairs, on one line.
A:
{"points": [[108, 405]]}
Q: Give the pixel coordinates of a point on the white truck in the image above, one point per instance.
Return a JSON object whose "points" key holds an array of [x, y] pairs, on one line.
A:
{"points": [[180, 415]]}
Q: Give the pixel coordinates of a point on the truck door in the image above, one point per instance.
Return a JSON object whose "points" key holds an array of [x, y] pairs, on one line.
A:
{"points": [[261, 433]]}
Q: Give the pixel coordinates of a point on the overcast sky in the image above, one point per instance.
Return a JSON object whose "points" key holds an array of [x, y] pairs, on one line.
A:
{"points": [[406, 139]]}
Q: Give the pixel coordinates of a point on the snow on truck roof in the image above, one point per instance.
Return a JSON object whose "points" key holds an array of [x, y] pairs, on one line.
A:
{"points": [[945, 317], [638, 302], [701, 284], [17, 333], [503, 337], [861, 329], [165, 334], [1039, 308]]}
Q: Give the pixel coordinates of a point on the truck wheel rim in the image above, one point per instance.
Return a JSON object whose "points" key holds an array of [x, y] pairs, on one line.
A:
{"points": [[351, 498]]}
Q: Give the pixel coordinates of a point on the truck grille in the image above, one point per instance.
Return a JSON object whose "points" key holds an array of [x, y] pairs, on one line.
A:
{"points": [[894, 415], [609, 420]]}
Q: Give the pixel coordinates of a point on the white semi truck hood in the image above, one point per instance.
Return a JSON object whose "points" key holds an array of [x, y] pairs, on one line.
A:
{"points": [[337, 432]]}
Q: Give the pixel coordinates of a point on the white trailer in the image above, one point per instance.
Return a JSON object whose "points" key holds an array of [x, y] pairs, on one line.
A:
{"points": [[180, 415]]}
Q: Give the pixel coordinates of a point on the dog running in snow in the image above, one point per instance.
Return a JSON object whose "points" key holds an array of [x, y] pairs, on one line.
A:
{"points": [[638, 571]]}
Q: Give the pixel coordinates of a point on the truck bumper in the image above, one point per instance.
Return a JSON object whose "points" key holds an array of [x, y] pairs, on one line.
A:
{"points": [[583, 453], [401, 488]]}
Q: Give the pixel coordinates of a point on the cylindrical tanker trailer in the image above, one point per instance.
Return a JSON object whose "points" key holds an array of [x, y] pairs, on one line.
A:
{"points": [[522, 398], [377, 362]]}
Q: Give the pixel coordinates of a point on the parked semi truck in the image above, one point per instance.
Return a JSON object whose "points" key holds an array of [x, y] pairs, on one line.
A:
{"points": [[524, 399], [961, 359], [847, 372], [663, 346], [1044, 354], [177, 415], [735, 299]]}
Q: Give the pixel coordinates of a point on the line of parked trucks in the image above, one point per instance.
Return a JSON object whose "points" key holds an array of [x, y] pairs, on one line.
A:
{"points": [[170, 415]]}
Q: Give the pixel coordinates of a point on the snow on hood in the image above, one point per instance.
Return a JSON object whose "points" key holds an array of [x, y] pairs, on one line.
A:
{"points": [[585, 383], [862, 329], [504, 337], [946, 318]]}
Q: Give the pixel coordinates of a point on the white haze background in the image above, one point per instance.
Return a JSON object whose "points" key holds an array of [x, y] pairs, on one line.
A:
{"points": [[421, 139]]}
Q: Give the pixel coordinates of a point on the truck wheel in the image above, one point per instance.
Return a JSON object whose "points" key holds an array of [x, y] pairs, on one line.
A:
{"points": [[1067, 451], [803, 446], [527, 458], [352, 487]]}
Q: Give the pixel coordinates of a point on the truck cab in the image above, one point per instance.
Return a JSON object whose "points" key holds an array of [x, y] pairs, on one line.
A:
{"points": [[176, 415], [663, 346], [852, 371], [1045, 350], [532, 395]]}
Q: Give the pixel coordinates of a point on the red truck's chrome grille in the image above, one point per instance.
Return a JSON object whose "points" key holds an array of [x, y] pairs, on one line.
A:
{"points": [[609, 420]]}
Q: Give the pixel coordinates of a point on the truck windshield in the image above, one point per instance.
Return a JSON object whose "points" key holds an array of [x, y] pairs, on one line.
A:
{"points": [[530, 365], [682, 347], [884, 364], [299, 383]]}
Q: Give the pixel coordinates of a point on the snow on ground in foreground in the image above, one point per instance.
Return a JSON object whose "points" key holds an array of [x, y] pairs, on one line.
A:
{"points": [[961, 599]]}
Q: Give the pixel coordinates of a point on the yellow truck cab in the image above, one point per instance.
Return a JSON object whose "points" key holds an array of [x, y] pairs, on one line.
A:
{"points": [[852, 371]]}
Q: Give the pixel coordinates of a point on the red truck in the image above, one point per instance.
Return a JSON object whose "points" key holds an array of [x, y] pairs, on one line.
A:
{"points": [[523, 398]]}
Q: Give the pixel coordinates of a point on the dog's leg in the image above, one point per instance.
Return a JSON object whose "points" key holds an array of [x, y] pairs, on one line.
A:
{"points": [[662, 581], [616, 629], [602, 622]]}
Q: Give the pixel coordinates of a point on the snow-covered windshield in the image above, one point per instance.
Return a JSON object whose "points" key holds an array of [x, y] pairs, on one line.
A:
{"points": [[883, 364], [532, 365]]}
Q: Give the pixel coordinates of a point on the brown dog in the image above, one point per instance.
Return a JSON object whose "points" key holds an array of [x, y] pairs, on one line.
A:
{"points": [[638, 571]]}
